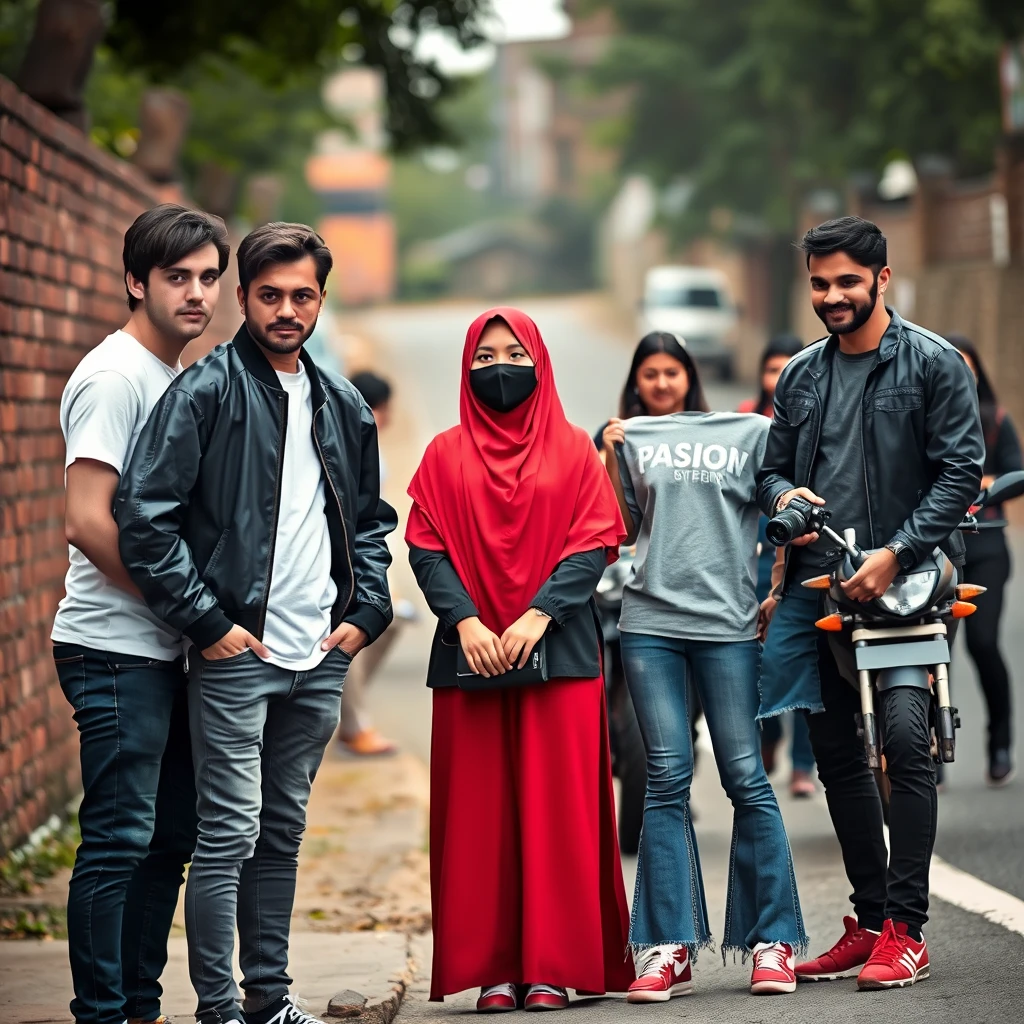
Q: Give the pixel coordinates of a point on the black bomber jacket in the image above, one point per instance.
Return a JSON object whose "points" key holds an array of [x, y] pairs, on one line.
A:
{"points": [[198, 504], [922, 439]]}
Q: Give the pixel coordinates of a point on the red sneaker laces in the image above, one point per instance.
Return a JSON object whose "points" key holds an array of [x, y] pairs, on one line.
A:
{"points": [[889, 947], [773, 958]]}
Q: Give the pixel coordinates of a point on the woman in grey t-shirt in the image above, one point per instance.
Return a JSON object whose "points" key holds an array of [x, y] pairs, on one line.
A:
{"points": [[686, 488]]}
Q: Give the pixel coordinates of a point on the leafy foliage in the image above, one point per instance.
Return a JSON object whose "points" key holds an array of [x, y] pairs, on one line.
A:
{"points": [[276, 43], [756, 101]]}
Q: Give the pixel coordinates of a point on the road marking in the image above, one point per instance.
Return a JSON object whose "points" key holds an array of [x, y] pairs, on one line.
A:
{"points": [[966, 891]]}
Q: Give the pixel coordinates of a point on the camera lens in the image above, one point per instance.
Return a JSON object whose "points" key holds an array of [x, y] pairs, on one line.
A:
{"points": [[785, 527]]}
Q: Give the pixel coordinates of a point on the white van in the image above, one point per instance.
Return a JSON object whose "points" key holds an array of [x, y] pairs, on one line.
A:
{"points": [[694, 303]]}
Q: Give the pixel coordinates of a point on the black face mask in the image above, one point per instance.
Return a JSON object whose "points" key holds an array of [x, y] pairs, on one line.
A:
{"points": [[501, 386]]}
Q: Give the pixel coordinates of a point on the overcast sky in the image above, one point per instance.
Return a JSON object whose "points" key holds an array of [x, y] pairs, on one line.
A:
{"points": [[516, 19]]}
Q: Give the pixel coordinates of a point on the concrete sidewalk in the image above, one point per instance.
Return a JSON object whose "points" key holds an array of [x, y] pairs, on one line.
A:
{"points": [[363, 889]]}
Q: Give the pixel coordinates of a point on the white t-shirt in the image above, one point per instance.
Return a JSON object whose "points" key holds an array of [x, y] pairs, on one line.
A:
{"points": [[302, 591], [104, 407]]}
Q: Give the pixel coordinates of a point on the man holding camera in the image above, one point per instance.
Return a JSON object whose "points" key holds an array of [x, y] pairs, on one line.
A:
{"points": [[880, 420]]}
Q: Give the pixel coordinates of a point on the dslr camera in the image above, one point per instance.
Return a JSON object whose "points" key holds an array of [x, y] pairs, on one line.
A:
{"points": [[796, 519]]}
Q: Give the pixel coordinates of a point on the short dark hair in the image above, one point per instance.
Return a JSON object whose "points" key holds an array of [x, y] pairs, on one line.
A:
{"points": [[861, 240], [167, 233], [376, 391], [279, 242]]}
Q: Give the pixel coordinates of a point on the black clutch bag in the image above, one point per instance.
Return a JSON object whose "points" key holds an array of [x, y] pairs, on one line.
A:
{"points": [[533, 672]]}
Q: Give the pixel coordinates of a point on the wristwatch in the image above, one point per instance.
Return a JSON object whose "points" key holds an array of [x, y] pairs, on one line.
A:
{"points": [[904, 556]]}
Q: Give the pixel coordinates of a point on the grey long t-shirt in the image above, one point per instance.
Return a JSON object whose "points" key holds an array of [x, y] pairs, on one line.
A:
{"points": [[689, 480]]}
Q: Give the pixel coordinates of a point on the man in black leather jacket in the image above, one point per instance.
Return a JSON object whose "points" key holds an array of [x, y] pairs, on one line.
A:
{"points": [[879, 419], [251, 520]]}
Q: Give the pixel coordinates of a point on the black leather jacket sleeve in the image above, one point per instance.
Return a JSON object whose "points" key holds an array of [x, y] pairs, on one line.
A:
{"points": [[446, 596], [150, 506], [571, 586], [778, 468], [955, 444], [371, 556]]}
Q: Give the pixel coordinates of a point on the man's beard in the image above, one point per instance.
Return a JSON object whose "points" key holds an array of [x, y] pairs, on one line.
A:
{"points": [[861, 313], [281, 347]]}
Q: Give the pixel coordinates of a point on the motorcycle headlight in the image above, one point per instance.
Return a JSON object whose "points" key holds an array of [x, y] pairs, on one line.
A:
{"points": [[909, 594]]}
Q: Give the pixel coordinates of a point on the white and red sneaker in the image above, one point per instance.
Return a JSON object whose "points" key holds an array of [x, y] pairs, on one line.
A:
{"points": [[497, 999], [844, 959], [661, 973], [546, 997], [896, 961], [773, 972]]}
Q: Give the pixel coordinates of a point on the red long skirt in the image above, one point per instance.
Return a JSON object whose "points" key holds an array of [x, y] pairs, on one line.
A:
{"points": [[526, 882]]}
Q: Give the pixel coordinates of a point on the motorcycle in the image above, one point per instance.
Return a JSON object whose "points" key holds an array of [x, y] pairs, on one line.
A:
{"points": [[898, 639], [629, 759]]}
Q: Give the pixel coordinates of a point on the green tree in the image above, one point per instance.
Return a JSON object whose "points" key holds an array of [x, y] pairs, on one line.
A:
{"points": [[756, 101]]}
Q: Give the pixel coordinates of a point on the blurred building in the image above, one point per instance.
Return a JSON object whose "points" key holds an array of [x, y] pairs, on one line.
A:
{"points": [[548, 119], [351, 174]]}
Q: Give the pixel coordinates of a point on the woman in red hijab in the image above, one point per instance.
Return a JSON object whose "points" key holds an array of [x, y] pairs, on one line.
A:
{"points": [[512, 525]]}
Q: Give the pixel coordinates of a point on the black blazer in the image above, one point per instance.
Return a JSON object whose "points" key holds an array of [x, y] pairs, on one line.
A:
{"points": [[573, 640]]}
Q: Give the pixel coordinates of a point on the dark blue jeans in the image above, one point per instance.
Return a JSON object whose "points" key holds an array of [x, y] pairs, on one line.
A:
{"points": [[259, 734], [138, 821], [762, 904]]}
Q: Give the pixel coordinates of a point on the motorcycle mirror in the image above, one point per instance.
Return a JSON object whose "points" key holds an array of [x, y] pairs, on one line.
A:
{"points": [[1005, 487]]}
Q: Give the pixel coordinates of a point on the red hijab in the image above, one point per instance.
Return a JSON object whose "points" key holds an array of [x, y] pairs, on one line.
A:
{"points": [[507, 496]]}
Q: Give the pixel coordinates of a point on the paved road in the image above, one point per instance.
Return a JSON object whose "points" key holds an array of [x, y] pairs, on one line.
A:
{"points": [[976, 963]]}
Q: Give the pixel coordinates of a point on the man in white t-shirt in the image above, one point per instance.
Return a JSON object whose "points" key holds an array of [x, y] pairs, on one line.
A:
{"points": [[119, 665], [251, 519]]}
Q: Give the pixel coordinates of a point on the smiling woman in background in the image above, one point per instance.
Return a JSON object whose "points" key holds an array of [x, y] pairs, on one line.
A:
{"points": [[512, 525]]}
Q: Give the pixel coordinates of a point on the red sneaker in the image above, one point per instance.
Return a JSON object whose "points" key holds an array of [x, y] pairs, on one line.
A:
{"points": [[497, 999], [844, 959], [661, 973], [773, 969], [546, 997], [896, 961]]}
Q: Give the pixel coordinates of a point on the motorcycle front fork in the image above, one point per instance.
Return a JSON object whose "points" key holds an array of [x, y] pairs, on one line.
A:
{"points": [[946, 721]]}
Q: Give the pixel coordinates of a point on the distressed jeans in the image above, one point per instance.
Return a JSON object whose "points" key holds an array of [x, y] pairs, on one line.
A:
{"points": [[669, 906], [138, 822], [258, 735]]}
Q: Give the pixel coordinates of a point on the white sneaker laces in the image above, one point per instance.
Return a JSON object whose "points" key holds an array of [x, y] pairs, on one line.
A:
{"points": [[773, 957], [291, 1014], [550, 990], [652, 960], [506, 989]]}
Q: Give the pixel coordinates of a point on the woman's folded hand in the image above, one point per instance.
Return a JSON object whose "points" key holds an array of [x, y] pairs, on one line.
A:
{"points": [[519, 640], [483, 649]]}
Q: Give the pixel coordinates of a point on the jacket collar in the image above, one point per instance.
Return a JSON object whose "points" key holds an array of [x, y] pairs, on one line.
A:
{"points": [[886, 348], [254, 360]]}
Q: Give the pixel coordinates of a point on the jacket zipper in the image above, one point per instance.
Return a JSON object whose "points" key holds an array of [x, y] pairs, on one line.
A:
{"points": [[341, 511], [277, 515]]}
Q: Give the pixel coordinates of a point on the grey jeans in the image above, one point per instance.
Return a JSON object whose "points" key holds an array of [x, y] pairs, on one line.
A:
{"points": [[258, 736]]}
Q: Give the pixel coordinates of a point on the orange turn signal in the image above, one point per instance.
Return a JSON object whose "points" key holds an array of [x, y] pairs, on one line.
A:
{"points": [[965, 591], [961, 609], [818, 583], [834, 623]]}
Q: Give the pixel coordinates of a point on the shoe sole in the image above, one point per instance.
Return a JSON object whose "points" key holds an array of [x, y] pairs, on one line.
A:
{"points": [[839, 976], [542, 1007], [684, 988], [772, 988], [871, 986], [496, 1009]]}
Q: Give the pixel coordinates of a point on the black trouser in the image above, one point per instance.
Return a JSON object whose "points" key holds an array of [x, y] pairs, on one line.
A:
{"points": [[988, 564], [885, 885]]}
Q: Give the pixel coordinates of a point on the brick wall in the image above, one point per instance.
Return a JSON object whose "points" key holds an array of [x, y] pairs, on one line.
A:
{"points": [[64, 207]]}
